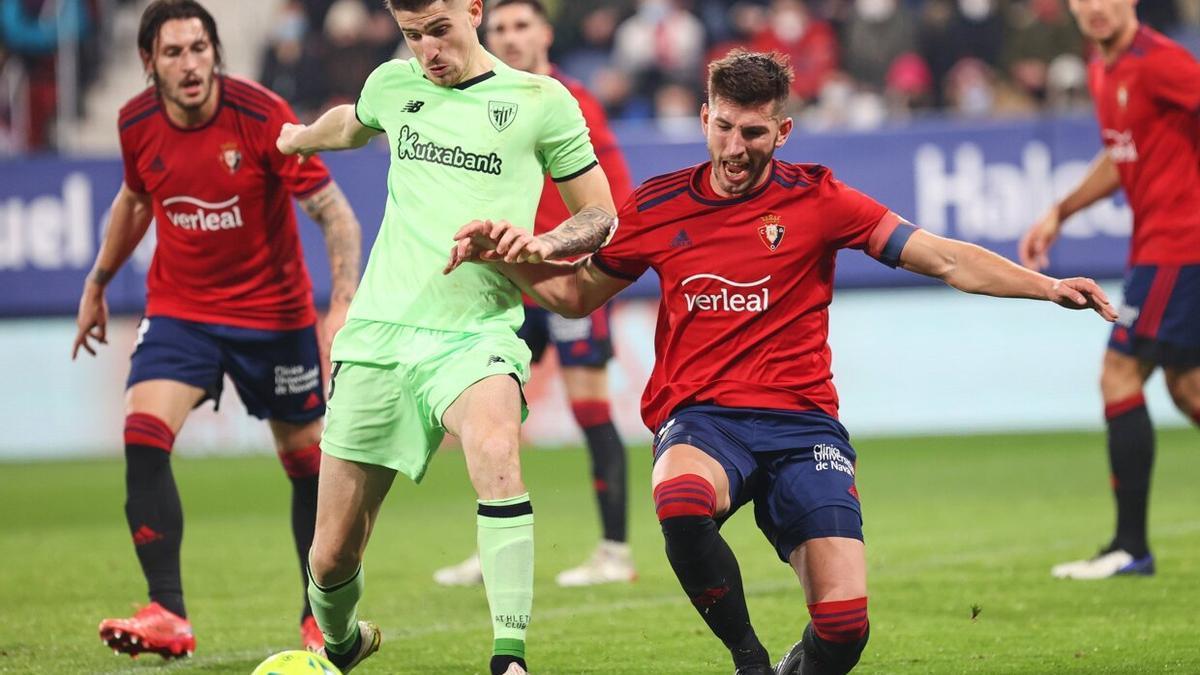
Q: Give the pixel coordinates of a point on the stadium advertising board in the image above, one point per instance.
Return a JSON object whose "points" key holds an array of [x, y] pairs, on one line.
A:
{"points": [[982, 182]]}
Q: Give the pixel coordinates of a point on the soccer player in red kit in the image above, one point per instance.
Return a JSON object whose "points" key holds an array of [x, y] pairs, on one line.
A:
{"points": [[228, 293], [741, 397], [519, 32], [1146, 90]]}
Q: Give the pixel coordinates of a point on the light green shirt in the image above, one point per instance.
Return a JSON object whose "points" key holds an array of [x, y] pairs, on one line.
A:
{"points": [[476, 151]]}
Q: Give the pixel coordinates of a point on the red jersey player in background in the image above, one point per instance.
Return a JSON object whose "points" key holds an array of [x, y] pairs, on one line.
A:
{"points": [[741, 397], [1147, 95], [228, 293], [519, 32]]}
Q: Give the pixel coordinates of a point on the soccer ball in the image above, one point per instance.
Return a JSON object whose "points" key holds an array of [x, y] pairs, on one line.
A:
{"points": [[296, 662]]}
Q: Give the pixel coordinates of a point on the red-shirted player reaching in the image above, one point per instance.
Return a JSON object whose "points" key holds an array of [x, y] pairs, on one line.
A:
{"points": [[740, 398], [519, 32], [228, 293], [1147, 95]]}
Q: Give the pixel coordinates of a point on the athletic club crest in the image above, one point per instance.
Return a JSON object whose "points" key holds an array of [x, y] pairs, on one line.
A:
{"points": [[771, 232], [231, 157], [501, 114]]}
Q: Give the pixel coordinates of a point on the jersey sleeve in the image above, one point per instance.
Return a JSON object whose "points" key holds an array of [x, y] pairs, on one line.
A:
{"points": [[299, 178], [623, 255], [133, 178], [604, 142], [564, 147], [367, 107], [858, 221], [1173, 77]]}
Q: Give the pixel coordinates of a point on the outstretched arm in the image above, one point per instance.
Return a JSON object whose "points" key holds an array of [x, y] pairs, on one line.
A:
{"points": [[1101, 181], [337, 129], [331, 211], [973, 269], [127, 224]]}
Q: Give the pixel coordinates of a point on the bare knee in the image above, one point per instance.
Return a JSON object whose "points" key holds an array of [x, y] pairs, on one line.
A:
{"points": [[493, 461], [1184, 387], [291, 437], [1122, 376], [331, 563]]}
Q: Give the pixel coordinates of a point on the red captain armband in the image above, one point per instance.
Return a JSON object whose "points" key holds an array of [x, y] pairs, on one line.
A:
{"points": [[888, 239]]}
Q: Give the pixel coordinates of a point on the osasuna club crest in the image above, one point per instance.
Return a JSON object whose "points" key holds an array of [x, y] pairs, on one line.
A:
{"points": [[501, 114], [771, 232], [231, 157]]}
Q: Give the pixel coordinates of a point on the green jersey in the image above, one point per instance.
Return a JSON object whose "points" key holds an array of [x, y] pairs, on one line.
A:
{"points": [[475, 151]]}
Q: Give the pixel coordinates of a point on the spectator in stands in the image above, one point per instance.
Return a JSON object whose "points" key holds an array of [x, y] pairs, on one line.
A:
{"points": [[348, 57], [1036, 31], [909, 86], [809, 42], [289, 67], [877, 32], [662, 42]]}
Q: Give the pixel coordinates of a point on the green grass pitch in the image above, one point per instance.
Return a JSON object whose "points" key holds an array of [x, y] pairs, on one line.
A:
{"points": [[951, 523]]}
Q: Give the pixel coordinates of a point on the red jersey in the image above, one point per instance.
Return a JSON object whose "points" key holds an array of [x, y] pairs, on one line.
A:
{"points": [[1147, 103], [228, 250], [746, 283]]}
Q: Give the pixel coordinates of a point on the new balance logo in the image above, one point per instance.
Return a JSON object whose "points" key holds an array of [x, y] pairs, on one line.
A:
{"points": [[681, 240], [493, 359], [157, 164], [412, 106]]}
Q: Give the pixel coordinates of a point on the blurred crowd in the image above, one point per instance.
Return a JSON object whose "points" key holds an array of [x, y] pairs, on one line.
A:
{"points": [[859, 63]]}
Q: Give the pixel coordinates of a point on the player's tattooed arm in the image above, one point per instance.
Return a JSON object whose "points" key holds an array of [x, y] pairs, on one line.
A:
{"points": [[331, 211], [582, 233]]}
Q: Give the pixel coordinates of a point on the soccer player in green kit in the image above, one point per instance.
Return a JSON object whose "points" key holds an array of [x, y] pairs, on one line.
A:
{"points": [[421, 353]]}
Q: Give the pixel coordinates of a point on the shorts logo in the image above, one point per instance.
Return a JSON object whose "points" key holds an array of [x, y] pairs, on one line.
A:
{"points": [[501, 114], [771, 232], [493, 359], [827, 457], [290, 380], [723, 299], [231, 157]]}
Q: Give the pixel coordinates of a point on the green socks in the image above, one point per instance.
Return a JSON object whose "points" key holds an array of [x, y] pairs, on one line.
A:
{"points": [[336, 611], [505, 530]]}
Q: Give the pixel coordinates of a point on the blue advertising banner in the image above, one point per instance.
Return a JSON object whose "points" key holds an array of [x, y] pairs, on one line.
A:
{"points": [[981, 182]]}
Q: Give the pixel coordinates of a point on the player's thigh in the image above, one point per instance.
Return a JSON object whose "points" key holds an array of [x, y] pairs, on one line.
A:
{"points": [[585, 383], [584, 342], [681, 460], [831, 568], [473, 387], [175, 365], [809, 494], [1122, 375], [290, 437], [486, 417], [168, 400], [1184, 385], [277, 374], [374, 417], [349, 495]]}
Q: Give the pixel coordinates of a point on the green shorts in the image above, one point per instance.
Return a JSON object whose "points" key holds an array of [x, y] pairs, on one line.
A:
{"points": [[392, 383]]}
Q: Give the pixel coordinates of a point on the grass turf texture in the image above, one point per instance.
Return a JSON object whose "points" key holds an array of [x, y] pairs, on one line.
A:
{"points": [[952, 523]]}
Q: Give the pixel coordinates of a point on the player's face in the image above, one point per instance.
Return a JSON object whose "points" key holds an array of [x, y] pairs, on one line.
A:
{"points": [[442, 36], [519, 36], [1104, 20], [183, 63], [741, 142]]}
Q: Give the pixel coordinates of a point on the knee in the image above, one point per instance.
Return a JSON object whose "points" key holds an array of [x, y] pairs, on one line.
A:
{"points": [[1120, 377], [1186, 397], [686, 506], [591, 412], [332, 564]]}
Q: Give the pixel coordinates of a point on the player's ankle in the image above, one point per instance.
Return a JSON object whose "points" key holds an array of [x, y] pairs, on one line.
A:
{"points": [[341, 659], [501, 662]]}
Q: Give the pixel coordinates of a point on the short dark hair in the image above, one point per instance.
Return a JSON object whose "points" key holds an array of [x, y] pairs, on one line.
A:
{"points": [[536, 5], [751, 78], [407, 5], [162, 11]]}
